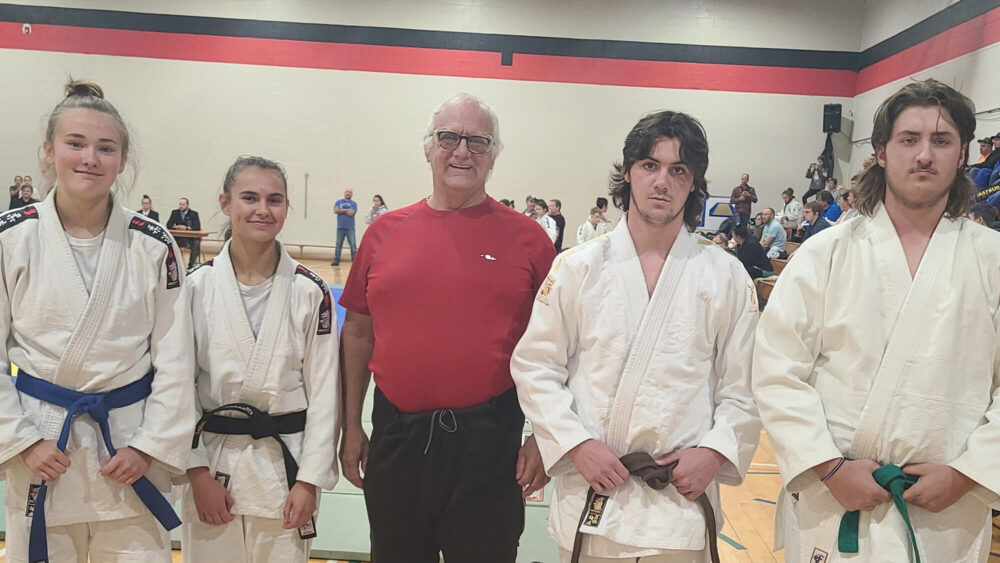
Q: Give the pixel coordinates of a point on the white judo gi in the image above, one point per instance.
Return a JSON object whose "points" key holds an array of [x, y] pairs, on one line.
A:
{"points": [[134, 319], [601, 359], [854, 358], [290, 366]]}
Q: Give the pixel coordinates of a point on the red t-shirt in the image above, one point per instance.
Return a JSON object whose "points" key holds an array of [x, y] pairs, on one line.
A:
{"points": [[449, 293]]}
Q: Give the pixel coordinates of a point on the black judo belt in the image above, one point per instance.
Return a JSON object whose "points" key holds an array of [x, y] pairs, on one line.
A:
{"points": [[642, 465], [257, 424]]}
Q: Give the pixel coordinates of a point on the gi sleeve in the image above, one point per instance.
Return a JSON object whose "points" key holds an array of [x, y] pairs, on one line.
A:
{"points": [[168, 421], [539, 366], [321, 378], [17, 432], [978, 462], [736, 426], [786, 349]]}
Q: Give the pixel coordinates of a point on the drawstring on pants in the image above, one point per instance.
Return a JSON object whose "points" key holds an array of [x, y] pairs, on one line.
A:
{"points": [[445, 418]]}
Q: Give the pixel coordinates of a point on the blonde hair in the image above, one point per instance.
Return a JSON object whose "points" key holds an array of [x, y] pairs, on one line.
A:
{"points": [[81, 94]]}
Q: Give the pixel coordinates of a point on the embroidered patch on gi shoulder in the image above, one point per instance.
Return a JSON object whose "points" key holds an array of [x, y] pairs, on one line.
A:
{"points": [[325, 306], [17, 216], [543, 293], [818, 556], [157, 232], [596, 510]]}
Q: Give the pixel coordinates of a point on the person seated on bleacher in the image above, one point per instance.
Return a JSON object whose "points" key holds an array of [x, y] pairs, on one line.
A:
{"points": [[985, 149], [984, 214], [751, 254], [985, 173], [791, 215], [773, 239], [814, 220], [757, 226], [831, 211], [846, 204]]}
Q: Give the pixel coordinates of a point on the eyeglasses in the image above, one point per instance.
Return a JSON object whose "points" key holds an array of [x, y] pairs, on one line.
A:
{"points": [[477, 144]]}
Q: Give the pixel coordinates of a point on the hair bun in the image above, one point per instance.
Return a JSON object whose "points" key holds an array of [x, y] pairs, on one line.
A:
{"points": [[83, 88]]}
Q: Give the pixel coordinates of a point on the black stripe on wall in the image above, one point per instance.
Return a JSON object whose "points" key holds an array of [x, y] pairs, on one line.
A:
{"points": [[507, 45], [953, 15]]}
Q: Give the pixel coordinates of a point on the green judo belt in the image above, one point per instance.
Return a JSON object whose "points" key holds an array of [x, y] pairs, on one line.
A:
{"points": [[891, 478]]}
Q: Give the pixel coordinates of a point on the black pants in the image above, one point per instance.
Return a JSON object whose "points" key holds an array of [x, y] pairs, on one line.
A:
{"points": [[444, 482], [195, 245], [810, 193]]}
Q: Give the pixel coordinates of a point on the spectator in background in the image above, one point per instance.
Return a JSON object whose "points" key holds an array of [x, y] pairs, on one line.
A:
{"points": [[831, 186], [721, 239], [758, 226], [983, 174], [742, 198], [186, 219], [814, 222], [15, 190], [147, 209], [983, 213], [817, 175], [751, 254], [26, 197], [507, 203], [591, 228], [985, 149], [547, 223], [847, 206], [773, 238], [791, 215], [529, 207], [15, 197], [602, 204], [345, 209], [378, 207], [555, 212], [831, 211]]}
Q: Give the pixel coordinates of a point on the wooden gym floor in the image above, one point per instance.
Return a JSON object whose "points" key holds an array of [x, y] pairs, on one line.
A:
{"points": [[748, 509]]}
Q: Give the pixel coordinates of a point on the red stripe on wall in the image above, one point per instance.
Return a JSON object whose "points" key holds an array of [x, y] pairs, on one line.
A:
{"points": [[423, 61], [962, 39]]}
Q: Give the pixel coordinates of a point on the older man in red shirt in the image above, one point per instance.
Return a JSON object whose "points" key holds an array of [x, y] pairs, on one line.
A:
{"points": [[437, 298]]}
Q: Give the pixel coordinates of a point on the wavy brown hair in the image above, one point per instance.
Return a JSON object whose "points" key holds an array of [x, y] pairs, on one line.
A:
{"points": [[870, 190], [694, 153]]}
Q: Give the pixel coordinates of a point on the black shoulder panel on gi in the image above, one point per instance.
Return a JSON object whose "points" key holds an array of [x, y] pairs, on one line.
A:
{"points": [[199, 266], [15, 216], [326, 306], [151, 229]]}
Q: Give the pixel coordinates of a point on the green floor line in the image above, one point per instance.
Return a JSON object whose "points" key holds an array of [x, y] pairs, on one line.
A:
{"points": [[732, 542], [763, 473]]}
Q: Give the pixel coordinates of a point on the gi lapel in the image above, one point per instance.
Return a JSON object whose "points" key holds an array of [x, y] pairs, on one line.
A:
{"points": [[905, 335], [109, 267], [653, 319], [255, 353], [273, 329]]}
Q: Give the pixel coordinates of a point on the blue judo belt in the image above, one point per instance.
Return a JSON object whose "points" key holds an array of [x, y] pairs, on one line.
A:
{"points": [[98, 407]]}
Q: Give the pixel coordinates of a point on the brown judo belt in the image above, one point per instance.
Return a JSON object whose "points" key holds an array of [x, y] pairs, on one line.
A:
{"points": [[642, 465]]}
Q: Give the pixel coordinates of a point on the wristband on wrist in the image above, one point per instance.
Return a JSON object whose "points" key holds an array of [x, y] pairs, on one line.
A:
{"points": [[834, 470]]}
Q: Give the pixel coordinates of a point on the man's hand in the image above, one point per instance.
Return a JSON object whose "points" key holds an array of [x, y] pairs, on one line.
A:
{"points": [[127, 465], [695, 470], [300, 505], [45, 460], [212, 501], [599, 465], [354, 454], [530, 469], [853, 485], [939, 487]]}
